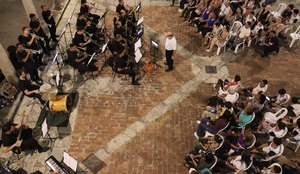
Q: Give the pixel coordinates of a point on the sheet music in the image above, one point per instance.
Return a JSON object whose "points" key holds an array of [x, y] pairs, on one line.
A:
{"points": [[138, 55], [104, 48], [91, 59], [70, 161], [138, 44], [141, 20], [44, 128]]}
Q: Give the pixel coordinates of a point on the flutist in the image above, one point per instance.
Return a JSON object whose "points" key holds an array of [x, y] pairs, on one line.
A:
{"points": [[36, 25], [29, 65], [49, 19], [79, 61], [86, 45]]}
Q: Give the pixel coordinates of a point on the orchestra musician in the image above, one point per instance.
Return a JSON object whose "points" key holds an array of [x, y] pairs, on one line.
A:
{"points": [[123, 18], [36, 25], [121, 67], [117, 45], [81, 43], [119, 29], [10, 142], [49, 19], [87, 25], [86, 9], [78, 61], [121, 7], [29, 65], [30, 89], [31, 41]]}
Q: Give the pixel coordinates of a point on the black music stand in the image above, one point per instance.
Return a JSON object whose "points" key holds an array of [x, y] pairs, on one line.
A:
{"points": [[46, 135], [93, 75], [138, 8], [155, 46], [107, 33]]}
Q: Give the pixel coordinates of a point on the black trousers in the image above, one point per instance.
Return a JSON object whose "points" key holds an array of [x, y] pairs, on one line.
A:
{"points": [[52, 30], [29, 143], [169, 54], [173, 2], [268, 49], [34, 75]]}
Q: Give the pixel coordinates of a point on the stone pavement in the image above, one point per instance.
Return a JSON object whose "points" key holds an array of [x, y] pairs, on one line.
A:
{"points": [[146, 129]]}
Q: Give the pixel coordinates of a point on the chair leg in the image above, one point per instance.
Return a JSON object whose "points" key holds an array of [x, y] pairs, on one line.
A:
{"points": [[218, 51], [293, 40], [298, 144], [114, 76]]}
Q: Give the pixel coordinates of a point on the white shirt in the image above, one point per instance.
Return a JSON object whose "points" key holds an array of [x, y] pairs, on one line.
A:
{"points": [[253, 19], [281, 99], [244, 32], [293, 18], [216, 30], [238, 163], [296, 109], [258, 89], [224, 10], [270, 148], [277, 133], [257, 28], [171, 44]]}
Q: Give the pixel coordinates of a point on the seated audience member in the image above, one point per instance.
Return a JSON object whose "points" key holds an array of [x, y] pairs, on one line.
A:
{"points": [[192, 5], [240, 140], [10, 140], [295, 106], [182, 3], [218, 39], [242, 36], [30, 89], [80, 61], [295, 133], [270, 44], [271, 170], [287, 13], [269, 2], [236, 163], [250, 18], [260, 88], [209, 144], [199, 161], [201, 21], [281, 99], [268, 150], [295, 17], [257, 102], [243, 118], [257, 30], [208, 27], [232, 86], [238, 16], [277, 131], [264, 15], [197, 12], [214, 126], [216, 31]]}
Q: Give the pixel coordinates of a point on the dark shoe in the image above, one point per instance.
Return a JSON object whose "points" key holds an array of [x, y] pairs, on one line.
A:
{"points": [[56, 35], [135, 83], [168, 70], [44, 149], [165, 63], [263, 56], [54, 40]]}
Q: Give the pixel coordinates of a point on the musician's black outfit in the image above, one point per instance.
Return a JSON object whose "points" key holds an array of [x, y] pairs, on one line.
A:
{"points": [[81, 66], [29, 66], [79, 38], [121, 7], [51, 21], [84, 9], [34, 46], [116, 47], [121, 63], [26, 85], [12, 54], [83, 24], [28, 143], [34, 25]]}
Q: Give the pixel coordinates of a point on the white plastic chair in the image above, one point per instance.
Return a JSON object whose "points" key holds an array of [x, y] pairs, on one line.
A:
{"points": [[239, 45], [222, 45], [235, 29], [295, 36], [273, 118], [248, 167], [281, 136], [224, 127], [297, 143], [281, 150], [288, 99], [214, 164], [280, 8], [252, 144], [276, 164]]}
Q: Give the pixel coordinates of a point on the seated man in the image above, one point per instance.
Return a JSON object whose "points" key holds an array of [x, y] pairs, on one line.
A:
{"points": [[80, 61], [281, 99], [268, 150], [270, 44], [121, 68], [82, 44], [295, 107], [30, 89], [10, 140], [260, 88], [199, 161]]}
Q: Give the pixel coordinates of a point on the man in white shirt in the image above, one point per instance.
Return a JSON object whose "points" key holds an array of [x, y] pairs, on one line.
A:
{"points": [[269, 149], [295, 17], [170, 47], [243, 35]]}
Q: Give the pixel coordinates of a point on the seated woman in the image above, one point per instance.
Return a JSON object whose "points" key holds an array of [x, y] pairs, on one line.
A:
{"points": [[240, 140], [209, 144], [278, 130], [218, 39], [244, 117], [216, 31], [214, 126], [201, 21], [236, 163], [208, 27]]}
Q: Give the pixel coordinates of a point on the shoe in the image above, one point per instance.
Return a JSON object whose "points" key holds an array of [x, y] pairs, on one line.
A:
{"points": [[198, 121], [135, 83], [44, 149], [56, 35], [168, 70], [165, 63], [54, 40], [207, 50]]}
